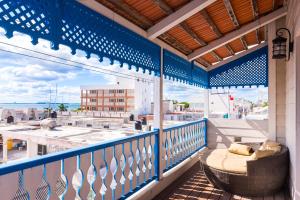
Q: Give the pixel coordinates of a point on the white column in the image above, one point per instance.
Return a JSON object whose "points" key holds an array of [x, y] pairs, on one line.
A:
{"points": [[158, 111], [4, 150], [156, 101], [206, 103], [272, 83], [32, 149]]}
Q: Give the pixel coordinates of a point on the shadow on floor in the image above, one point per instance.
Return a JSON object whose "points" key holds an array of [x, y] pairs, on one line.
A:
{"points": [[193, 185]]}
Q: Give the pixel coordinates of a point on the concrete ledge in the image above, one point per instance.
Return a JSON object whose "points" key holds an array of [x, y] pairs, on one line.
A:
{"points": [[156, 187]]}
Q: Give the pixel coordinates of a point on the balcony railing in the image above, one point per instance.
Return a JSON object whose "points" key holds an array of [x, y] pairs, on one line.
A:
{"points": [[111, 170]]}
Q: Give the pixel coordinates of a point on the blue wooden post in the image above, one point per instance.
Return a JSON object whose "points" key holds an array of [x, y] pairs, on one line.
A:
{"points": [[205, 131], [157, 154]]}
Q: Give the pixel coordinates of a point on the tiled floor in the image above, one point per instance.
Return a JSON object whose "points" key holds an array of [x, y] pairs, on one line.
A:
{"points": [[193, 185]]}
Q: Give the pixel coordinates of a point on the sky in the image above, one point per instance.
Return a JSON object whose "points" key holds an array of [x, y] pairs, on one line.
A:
{"points": [[30, 80]]}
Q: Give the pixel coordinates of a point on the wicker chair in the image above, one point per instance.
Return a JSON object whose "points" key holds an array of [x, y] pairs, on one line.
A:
{"points": [[264, 176]]}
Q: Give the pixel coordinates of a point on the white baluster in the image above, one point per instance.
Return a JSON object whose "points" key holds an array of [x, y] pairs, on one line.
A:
{"points": [[70, 168], [153, 158], [134, 165], [53, 173], [145, 158], [127, 167], [98, 163], [85, 163], [118, 155], [108, 179]]}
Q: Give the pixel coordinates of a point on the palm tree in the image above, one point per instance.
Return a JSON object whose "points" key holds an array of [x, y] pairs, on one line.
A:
{"points": [[62, 107]]}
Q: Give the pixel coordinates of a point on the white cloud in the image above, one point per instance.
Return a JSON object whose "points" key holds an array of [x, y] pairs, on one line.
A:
{"points": [[33, 73]]}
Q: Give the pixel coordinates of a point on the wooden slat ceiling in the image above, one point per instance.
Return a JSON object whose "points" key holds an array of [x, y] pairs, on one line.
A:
{"points": [[218, 19]]}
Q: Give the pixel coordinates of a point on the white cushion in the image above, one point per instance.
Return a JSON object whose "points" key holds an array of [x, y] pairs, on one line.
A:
{"points": [[222, 159], [240, 149]]}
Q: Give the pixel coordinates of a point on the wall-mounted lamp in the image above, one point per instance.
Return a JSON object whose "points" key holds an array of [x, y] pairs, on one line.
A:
{"points": [[279, 45]]}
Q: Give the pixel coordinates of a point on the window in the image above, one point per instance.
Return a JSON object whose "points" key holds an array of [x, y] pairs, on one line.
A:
{"points": [[93, 91], [111, 109], [112, 100], [111, 91], [121, 100], [120, 109], [93, 108], [93, 100], [120, 91]]}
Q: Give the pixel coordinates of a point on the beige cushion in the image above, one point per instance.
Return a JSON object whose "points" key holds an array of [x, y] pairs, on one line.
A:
{"points": [[270, 143], [222, 159], [262, 154], [240, 149]]}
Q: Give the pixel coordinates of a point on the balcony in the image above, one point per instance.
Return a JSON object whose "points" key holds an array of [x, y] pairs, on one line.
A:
{"points": [[234, 52], [111, 170]]}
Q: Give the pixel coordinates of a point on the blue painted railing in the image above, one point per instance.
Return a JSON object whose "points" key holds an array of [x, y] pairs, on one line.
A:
{"points": [[111, 170], [181, 141]]}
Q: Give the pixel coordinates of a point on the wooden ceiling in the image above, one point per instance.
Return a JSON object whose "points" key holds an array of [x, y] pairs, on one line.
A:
{"points": [[215, 21]]}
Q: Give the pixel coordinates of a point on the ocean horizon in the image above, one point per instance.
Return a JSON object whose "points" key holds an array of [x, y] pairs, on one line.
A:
{"points": [[39, 106]]}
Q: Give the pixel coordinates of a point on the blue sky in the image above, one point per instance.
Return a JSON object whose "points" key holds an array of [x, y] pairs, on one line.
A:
{"points": [[24, 79]]}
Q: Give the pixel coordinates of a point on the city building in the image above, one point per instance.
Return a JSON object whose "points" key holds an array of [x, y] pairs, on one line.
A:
{"points": [[120, 97], [115, 98]]}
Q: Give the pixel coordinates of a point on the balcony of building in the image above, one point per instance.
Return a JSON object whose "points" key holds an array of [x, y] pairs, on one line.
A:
{"points": [[205, 43]]}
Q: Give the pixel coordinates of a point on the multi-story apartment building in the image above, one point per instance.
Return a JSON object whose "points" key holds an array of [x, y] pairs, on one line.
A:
{"points": [[107, 98], [134, 97]]}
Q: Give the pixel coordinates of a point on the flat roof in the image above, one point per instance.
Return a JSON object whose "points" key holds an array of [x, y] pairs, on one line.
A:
{"points": [[107, 87]]}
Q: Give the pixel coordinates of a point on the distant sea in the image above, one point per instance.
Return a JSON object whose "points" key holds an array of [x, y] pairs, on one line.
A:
{"points": [[39, 106]]}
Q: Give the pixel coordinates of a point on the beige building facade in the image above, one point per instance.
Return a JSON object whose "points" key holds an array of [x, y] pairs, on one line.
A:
{"points": [[107, 98]]}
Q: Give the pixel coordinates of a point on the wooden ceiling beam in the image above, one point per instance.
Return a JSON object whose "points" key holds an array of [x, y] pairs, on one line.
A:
{"points": [[234, 21], [168, 10], [244, 42], [231, 13], [177, 17], [174, 42], [120, 4], [230, 50], [187, 29], [204, 62], [260, 22], [215, 29], [216, 56], [255, 16], [212, 25], [164, 6], [237, 56]]}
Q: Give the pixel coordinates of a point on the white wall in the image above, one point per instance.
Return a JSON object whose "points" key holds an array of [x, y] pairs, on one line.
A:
{"points": [[218, 103], [142, 97], [221, 132], [293, 99]]}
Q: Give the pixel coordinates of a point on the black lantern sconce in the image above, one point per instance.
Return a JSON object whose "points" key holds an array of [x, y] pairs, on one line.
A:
{"points": [[279, 45]]}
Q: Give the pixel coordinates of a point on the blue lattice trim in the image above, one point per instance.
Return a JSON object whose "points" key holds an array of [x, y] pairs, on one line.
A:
{"points": [[199, 76], [176, 68], [249, 70], [69, 23], [179, 69]]}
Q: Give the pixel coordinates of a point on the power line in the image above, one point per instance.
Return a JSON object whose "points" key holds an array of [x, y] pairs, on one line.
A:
{"points": [[80, 67], [57, 57]]}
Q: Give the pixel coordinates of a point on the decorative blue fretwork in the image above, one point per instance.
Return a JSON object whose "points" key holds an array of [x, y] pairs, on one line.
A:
{"points": [[69, 23], [179, 69], [176, 67], [199, 76], [249, 70]]}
